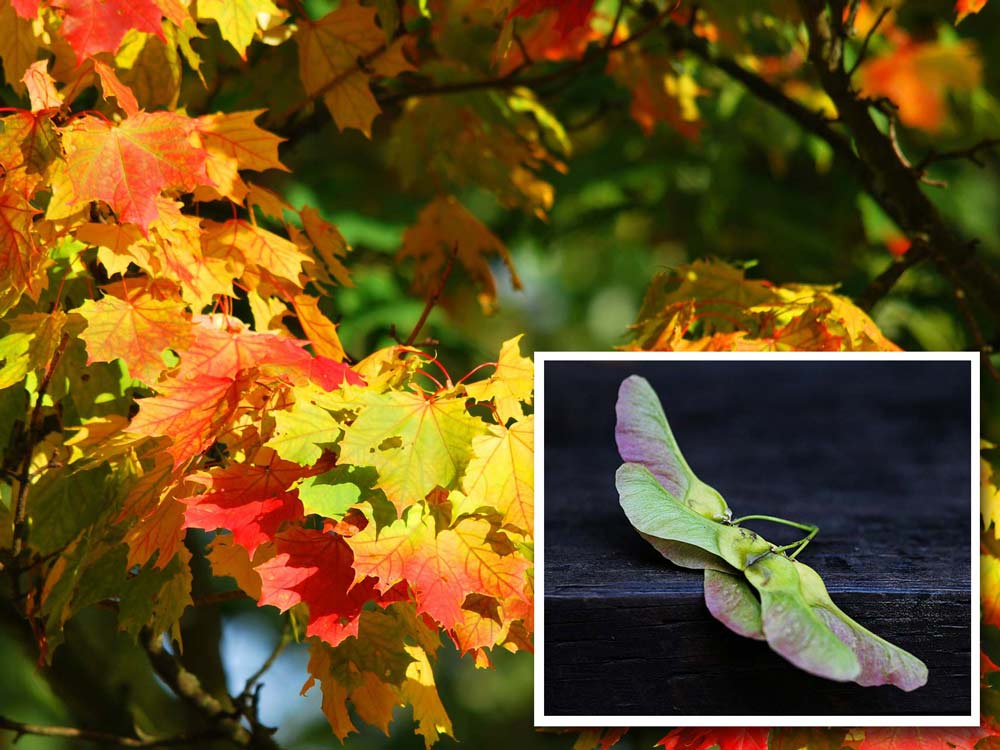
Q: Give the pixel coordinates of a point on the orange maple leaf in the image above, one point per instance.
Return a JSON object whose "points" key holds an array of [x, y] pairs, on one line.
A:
{"points": [[128, 165], [441, 568], [135, 329], [192, 413]]}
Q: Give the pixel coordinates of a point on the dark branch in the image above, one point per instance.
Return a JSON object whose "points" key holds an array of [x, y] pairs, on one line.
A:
{"points": [[971, 153], [882, 284], [188, 688]]}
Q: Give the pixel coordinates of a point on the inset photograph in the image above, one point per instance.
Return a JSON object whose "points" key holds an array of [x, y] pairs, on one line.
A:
{"points": [[745, 539]]}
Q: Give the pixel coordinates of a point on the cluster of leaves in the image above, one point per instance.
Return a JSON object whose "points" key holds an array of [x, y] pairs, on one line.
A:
{"points": [[384, 504], [711, 306]]}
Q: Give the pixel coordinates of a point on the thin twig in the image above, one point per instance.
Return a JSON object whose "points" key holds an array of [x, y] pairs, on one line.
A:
{"points": [[868, 38], [432, 299], [971, 153], [106, 738], [882, 284], [286, 638], [971, 324], [610, 41]]}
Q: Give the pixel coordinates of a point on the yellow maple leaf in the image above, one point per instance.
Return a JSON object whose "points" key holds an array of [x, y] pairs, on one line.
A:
{"points": [[501, 475], [339, 55], [238, 20], [415, 443], [511, 384]]}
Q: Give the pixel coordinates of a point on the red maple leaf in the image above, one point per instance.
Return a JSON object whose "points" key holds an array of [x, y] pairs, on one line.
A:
{"points": [[92, 26], [316, 568], [128, 165], [224, 345], [723, 738], [251, 501]]}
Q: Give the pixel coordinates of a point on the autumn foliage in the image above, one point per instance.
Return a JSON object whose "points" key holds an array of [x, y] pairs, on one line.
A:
{"points": [[169, 358]]}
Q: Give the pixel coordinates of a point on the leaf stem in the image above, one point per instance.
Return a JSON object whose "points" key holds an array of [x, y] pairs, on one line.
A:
{"points": [[800, 545]]}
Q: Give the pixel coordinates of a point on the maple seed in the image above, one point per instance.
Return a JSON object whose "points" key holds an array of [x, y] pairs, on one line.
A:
{"points": [[680, 516]]}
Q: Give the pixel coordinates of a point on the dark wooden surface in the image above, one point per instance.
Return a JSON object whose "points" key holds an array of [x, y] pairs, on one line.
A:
{"points": [[877, 454]]}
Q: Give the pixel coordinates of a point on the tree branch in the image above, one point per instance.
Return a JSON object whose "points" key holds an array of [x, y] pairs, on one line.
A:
{"points": [[882, 284], [105, 739], [188, 688], [894, 184]]}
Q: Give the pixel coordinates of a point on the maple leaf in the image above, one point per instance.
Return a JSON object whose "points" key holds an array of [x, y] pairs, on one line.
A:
{"points": [[190, 412], [20, 255], [441, 568], [251, 501], [266, 250], [233, 142], [231, 559], [330, 247], [512, 384], [92, 26], [990, 589], [501, 474], [223, 346], [723, 738], [915, 738], [136, 330], [300, 431], [29, 344], [41, 88], [415, 443], [19, 42], [446, 229], [320, 330], [27, 9], [29, 146], [918, 76], [111, 86], [159, 533], [237, 19], [329, 53], [965, 8], [129, 164], [314, 567], [658, 93]]}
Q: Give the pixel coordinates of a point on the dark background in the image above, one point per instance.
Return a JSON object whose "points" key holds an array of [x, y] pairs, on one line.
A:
{"points": [[876, 453]]}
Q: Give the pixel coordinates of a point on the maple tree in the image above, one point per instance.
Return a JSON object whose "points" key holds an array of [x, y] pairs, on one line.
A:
{"points": [[179, 409]]}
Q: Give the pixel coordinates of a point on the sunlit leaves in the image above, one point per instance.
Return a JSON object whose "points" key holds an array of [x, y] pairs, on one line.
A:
{"points": [[965, 8], [20, 255], [238, 20], [440, 567], [137, 329], [415, 442], [130, 164], [92, 26], [500, 474], [712, 306]]}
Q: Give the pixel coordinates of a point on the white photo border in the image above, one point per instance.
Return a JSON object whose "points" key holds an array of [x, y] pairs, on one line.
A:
{"points": [[573, 720]]}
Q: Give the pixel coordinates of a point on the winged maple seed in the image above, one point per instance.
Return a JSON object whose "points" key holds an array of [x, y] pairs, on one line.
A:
{"points": [[751, 586]]}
